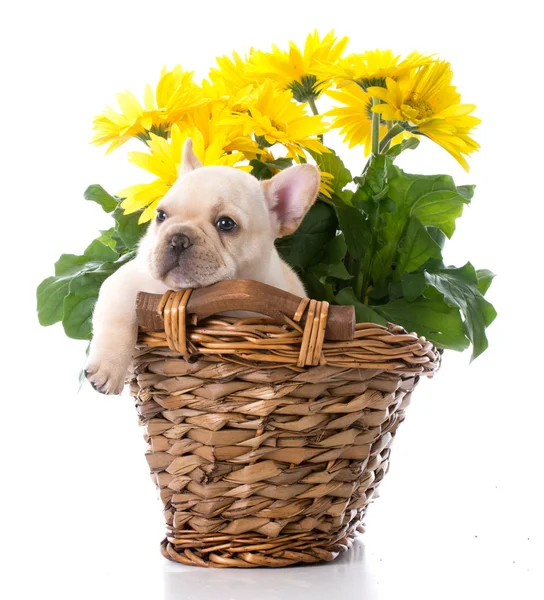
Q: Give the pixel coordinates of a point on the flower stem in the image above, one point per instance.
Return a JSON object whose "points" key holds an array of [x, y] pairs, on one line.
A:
{"points": [[375, 128], [311, 103], [393, 132], [364, 277]]}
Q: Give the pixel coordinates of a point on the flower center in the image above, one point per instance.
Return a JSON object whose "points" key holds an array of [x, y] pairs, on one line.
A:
{"points": [[422, 107], [279, 126]]}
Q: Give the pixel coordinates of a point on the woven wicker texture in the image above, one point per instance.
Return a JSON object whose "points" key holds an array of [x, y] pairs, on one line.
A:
{"points": [[267, 441]]}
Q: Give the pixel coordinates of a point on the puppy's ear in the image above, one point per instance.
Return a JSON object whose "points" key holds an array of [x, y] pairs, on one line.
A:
{"points": [[290, 194], [189, 160]]}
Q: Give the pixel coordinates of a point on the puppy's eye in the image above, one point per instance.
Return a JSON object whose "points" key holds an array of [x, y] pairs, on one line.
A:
{"points": [[225, 224], [161, 216]]}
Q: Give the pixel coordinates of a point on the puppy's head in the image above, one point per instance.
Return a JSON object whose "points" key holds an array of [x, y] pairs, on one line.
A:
{"points": [[219, 223]]}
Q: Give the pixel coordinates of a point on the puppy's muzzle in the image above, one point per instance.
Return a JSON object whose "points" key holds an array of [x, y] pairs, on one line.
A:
{"points": [[179, 242]]}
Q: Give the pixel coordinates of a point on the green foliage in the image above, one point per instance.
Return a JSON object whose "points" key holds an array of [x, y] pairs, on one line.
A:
{"points": [[459, 289], [70, 295], [430, 317], [98, 194], [390, 234], [373, 184], [408, 143], [377, 246], [356, 229], [363, 312], [306, 247], [330, 162], [265, 170]]}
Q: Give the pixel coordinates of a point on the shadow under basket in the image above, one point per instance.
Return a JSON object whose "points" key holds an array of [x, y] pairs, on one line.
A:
{"points": [[267, 436]]}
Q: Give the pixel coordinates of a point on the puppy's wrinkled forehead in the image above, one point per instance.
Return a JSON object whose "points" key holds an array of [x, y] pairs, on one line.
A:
{"points": [[213, 190]]}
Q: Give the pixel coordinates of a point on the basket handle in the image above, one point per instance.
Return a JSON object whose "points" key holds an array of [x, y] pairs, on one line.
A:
{"points": [[245, 295]]}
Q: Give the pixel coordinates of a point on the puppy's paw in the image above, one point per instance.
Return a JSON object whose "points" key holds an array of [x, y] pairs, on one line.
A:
{"points": [[105, 375]]}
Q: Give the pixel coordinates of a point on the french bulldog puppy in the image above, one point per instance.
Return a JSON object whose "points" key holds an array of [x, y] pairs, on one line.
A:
{"points": [[214, 224]]}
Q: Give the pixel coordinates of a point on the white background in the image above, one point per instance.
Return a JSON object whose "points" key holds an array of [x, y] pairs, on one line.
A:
{"points": [[460, 513]]}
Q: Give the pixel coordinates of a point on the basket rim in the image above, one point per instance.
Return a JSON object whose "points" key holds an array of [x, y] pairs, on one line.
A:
{"points": [[295, 341]]}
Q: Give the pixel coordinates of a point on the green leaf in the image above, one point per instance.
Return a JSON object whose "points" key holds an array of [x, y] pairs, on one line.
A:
{"points": [[363, 312], [437, 235], [280, 163], [460, 289], [330, 162], [332, 265], [413, 285], [70, 264], [485, 278], [96, 193], [305, 247], [50, 297], [260, 170], [394, 291], [128, 228], [382, 265], [432, 318], [110, 237], [342, 198], [315, 288], [407, 144], [390, 234], [417, 247], [100, 252], [265, 170], [433, 199], [432, 265], [378, 293], [356, 230], [439, 209], [336, 249], [93, 258], [338, 270], [52, 292], [79, 304], [373, 183], [467, 191]]}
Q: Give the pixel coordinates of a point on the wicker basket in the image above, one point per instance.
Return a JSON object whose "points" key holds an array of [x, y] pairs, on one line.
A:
{"points": [[267, 438]]}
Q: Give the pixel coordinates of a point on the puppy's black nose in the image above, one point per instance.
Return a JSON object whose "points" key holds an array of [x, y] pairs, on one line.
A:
{"points": [[179, 242]]}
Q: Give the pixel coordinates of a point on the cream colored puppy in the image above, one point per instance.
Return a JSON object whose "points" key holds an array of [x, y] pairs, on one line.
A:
{"points": [[215, 223]]}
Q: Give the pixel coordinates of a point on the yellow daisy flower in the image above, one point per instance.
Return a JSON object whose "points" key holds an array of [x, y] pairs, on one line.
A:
{"points": [[428, 102], [231, 87], [163, 160], [175, 95], [214, 121], [222, 95], [274, 118], [354, 117], [234, 72], [296, 69], [371, 68]]}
